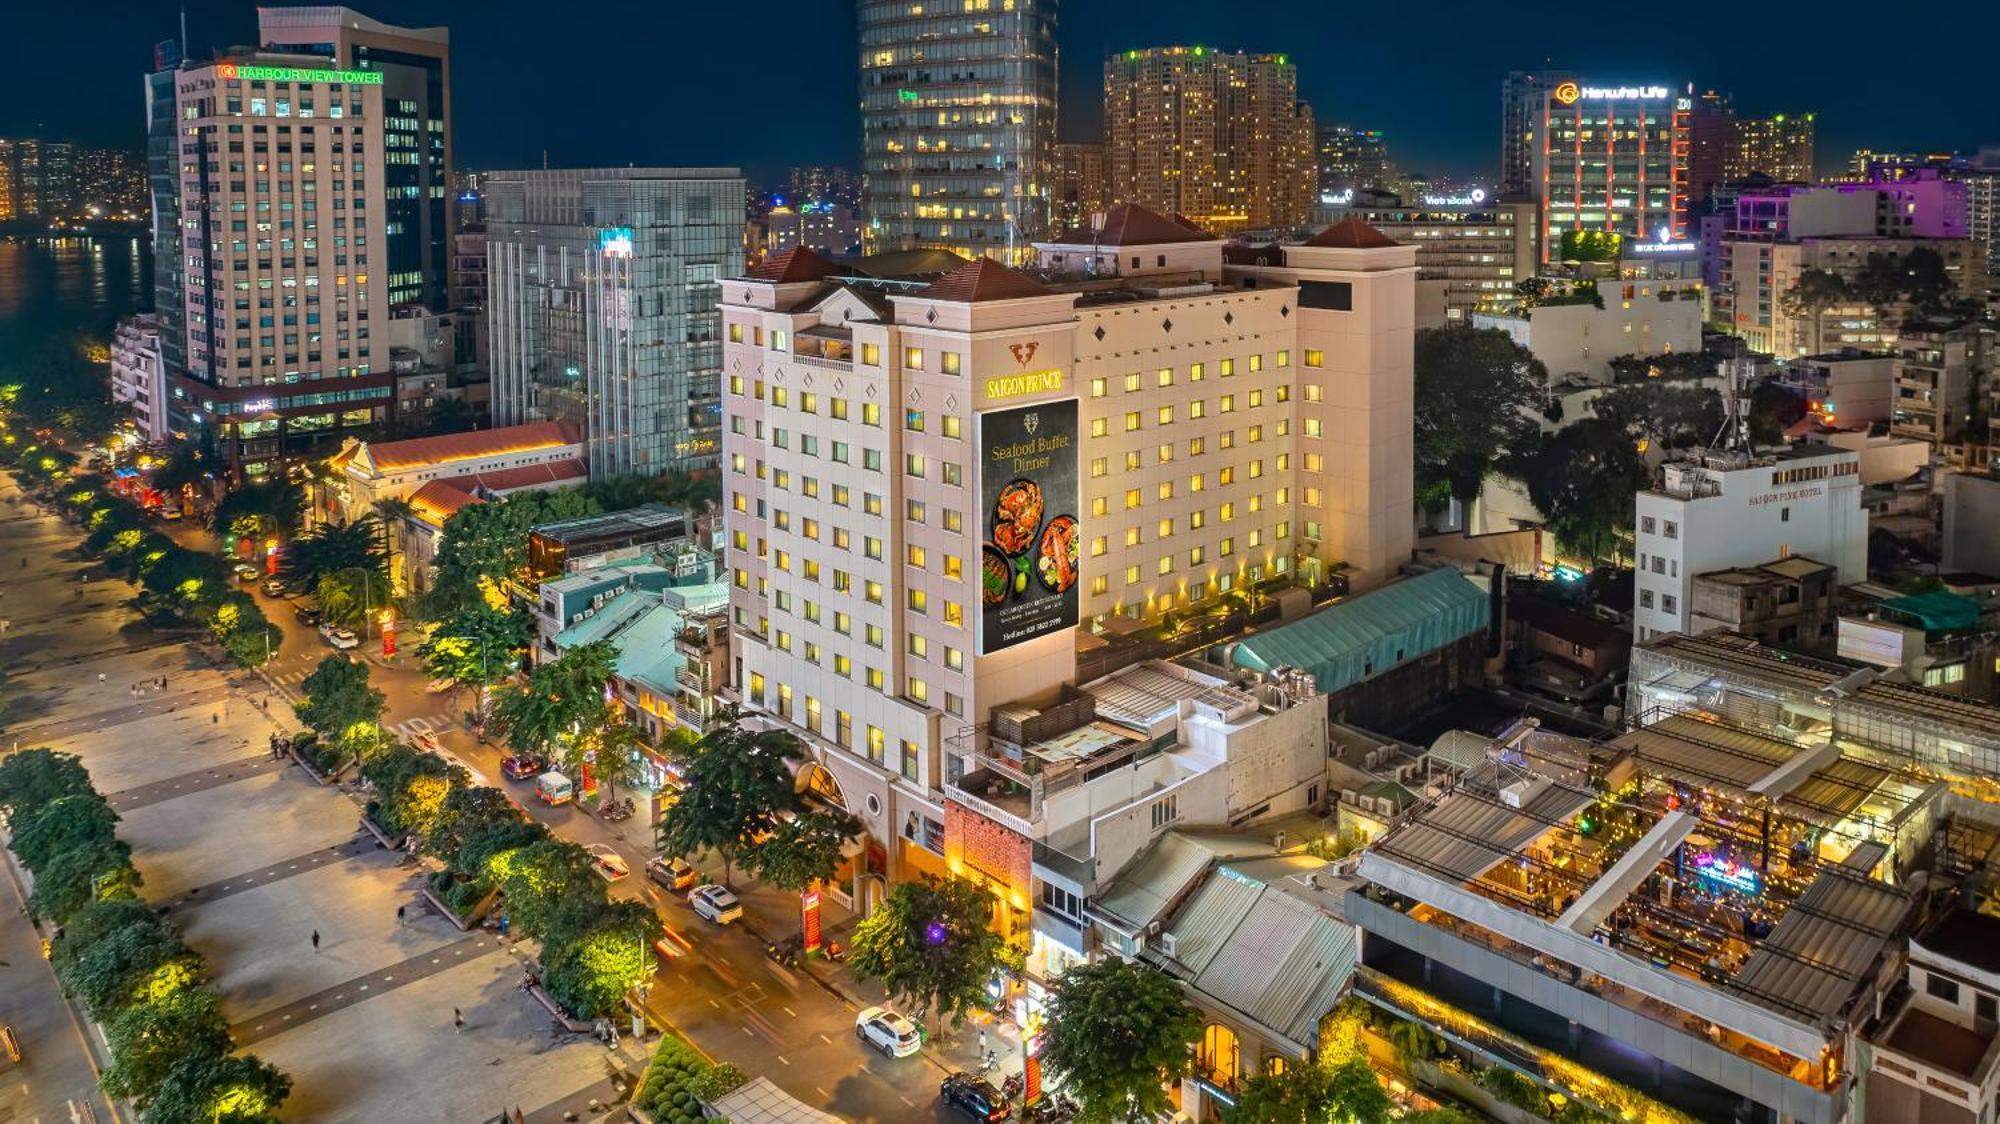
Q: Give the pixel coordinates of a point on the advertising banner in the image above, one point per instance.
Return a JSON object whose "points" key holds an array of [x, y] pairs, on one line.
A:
{"points": [[1028, 559]]}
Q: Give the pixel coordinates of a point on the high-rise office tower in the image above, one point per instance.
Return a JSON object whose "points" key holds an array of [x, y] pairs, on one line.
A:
{"points": [[1521, 97], [163, 187], [1352, 159], [1610, 159], [1082, 185], [269, 163], [1780, 147], [1711, 144], [601, 307], [415, 64], [958, 125], [35, 179], [1219, 137]]}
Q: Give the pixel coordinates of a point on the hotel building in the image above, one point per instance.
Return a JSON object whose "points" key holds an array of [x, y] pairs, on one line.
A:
{"points": [[601, 295], [1609, 158], [415, 64], [1216, 136], [958, 125], [932, 484], [1780, 147], [1471, 249], [283, 228]]}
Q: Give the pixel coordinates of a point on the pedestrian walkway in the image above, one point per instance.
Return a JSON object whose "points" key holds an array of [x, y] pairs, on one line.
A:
{"points": [[284, 868], [229, 772], [361, 988]]}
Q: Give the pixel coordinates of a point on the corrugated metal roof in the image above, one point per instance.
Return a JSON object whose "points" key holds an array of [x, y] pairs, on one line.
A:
{"points": [[1358, 639], [1262, 951], [1825, 947], [1145, 889]]}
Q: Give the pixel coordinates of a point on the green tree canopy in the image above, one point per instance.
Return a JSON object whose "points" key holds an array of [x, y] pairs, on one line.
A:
{"points": [[142, 961], [738, 781], [218, 1089], [1474, 390], [335, 548], [1674, 414], [147, 1039], [477, 645], [339, 704], [468, 811], [260, 509], [484, 544], [803, 850], [81, 874], [1583, 480], [31, 778], [931, 944], [537, 877], [601, 955], [1116, 1032], [74, 822]]}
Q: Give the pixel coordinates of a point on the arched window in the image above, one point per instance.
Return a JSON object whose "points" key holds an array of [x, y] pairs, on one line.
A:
{"points": [[1275, 1064], [1218, 1055]]}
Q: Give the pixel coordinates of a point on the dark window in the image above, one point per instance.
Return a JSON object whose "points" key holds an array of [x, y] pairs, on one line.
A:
{"points": [[1335, 295], [1941, 988], [1985, 1008]]}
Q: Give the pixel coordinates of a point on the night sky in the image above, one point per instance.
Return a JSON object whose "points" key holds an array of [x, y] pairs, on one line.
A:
{"points": [[765, 84]]}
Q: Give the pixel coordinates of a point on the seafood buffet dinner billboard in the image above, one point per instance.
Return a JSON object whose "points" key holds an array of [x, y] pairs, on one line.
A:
{"points": [[1030, 545]]}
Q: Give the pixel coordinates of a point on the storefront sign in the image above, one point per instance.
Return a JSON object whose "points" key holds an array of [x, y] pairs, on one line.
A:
{"points": [[1014, 386], [1028, 568], [1720, 873], [809, 919]]}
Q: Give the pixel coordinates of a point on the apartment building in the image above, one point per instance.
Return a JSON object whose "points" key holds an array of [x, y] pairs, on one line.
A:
{"points": [[1939, 367], [1713, 510], [139, 374], [1934, 1056], [1787, 602], [930, 484]]}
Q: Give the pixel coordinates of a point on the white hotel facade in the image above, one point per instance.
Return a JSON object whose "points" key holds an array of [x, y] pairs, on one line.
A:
{"points": [[1203, 426]]}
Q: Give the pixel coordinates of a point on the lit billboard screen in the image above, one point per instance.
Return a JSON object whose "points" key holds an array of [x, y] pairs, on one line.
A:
{"points": [[1028, 561]]}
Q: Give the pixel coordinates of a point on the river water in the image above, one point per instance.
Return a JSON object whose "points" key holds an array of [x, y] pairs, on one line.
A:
{"points": [[69, 286]]}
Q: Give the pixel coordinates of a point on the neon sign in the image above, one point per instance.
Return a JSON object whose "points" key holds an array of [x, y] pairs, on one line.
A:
{"points": [[1666, 245], [1337, 198], [1609, 93], [615, 241], [1722, 873], [1470, 199], [257, 406], [1013, 386], [296, 74]]}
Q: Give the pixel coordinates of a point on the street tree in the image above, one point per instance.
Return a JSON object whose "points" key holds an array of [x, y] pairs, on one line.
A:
{"points": [[738, 780], [485, 544], [81, 874], [71, 822], [476, 646], [1811, 295], [1358, 1093], [340, 706], [1301, 1093], [615, 748], [1582, 479], [538, 715], [932, 945], [1475, 391], [31, 778], [1115, 1032], [390, 514], [219, 1089], [148, 1038], [537, 877], [94, 923], [803, 850], [1671, 413], [468, 811], [188, 466], [601, 955], [260, 510], [411, 788], [351, 597], [140, 962], [333, 548]]}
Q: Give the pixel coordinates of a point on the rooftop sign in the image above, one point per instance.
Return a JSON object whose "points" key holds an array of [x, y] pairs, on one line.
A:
{"points": [[294, 74], [1569, 93], [1470, 199]]}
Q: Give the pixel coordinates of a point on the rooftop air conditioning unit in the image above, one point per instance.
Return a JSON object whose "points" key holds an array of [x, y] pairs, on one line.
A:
{"points": [[1166, 944]]}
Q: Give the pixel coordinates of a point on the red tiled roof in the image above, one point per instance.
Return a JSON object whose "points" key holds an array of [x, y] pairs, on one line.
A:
{"points": [[1351, 233], [471, 446], [526, 476], [440, 500], [796, 264], [983, 280], [1130, 224]]}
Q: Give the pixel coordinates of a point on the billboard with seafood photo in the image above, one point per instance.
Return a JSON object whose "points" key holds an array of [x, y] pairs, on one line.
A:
{"points": [[1029, 535]]}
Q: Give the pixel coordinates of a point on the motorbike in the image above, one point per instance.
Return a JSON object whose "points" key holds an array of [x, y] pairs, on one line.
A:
{"points": [[1014, 1086], [787, 952], [616, 810]]}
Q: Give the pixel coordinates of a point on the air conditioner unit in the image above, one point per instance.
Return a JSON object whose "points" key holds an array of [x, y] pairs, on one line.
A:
{"points": [[1166, 944]]}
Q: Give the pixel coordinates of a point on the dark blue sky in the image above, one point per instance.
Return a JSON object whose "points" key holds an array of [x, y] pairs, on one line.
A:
{"points": [[769, 83]]}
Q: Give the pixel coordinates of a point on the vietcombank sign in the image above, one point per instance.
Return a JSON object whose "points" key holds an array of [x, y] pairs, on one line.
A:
{"points": [[1028, 563]]}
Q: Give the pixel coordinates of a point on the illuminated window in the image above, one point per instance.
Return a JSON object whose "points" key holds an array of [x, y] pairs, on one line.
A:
{"points": [[1132, 422], [948, 362], [871, 354], [1166, 376], [913, 358], [1131, 498], [1098, 387]]}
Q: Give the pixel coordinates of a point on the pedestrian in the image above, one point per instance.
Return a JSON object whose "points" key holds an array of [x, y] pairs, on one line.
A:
{"points": [[458, 1020], [100, 677], [400, 911], [982, 1041], [315, 940], [215, 719]]}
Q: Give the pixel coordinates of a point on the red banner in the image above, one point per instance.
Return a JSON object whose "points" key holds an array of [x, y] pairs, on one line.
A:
{"points": [[1031, 1081], [809, 919]]}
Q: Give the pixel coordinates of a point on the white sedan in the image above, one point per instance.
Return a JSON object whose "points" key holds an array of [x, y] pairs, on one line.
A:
{"points": [[715, 903], [888, 1032], [609, 864], [343, 639]]}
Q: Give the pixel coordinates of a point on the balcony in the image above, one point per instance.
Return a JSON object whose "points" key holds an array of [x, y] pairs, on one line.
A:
{"points": [[693, 643], [997, 798], [691, 678]]}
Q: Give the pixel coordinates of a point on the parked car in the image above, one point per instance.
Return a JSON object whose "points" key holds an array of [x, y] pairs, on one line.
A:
{"points": [[170, 514], [888, 1032], [522, 766], [675, 874], [715, 903], [245, 572], [274, 587], [343, 638], [307, 614], [554, 788], [974, 1097], [440, 686], [609, 864]]}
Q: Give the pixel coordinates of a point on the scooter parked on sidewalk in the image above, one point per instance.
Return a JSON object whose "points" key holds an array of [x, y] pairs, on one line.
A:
{"points": [[616, 810]]}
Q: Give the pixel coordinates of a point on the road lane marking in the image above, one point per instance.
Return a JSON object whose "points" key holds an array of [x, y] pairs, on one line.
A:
{"points": [[783, 1059], [789, 1011]]}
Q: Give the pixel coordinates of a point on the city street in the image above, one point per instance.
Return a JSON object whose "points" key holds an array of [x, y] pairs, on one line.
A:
{"points": [[726, 995]]}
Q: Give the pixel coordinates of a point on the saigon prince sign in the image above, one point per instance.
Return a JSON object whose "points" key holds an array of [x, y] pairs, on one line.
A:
{"points": [[1030, 546]]}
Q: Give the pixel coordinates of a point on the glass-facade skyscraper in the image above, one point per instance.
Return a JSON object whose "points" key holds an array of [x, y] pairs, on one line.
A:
{"points": [[602, 294], [958, 124]]}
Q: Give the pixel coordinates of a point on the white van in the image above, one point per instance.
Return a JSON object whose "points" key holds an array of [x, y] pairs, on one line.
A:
{"points": [[554, 788]]}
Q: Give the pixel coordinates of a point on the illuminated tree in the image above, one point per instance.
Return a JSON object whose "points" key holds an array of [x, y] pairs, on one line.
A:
{"points": [[1116, 1031], [31, 778], [147, 1039], [79, 875], [340, 706], [931, 944], [595, 959], [143, 961], [476, 646], [217, 1089], [738, 781], [803, 850]]}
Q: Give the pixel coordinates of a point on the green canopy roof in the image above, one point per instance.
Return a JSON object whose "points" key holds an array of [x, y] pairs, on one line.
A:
{"points": [[1937, 610], [1363, 637]]}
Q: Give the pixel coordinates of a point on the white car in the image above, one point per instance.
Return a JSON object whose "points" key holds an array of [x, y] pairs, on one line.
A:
{"points": [[609, 864], [342, 638], [715, 903], [888, 1032]]}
